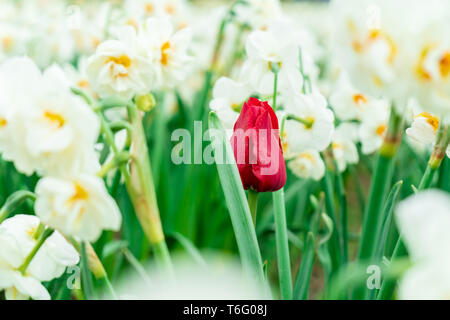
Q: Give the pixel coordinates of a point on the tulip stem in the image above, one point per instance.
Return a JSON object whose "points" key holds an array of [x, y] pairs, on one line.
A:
{"points": [[252, 199], [281, 234], [44, 236]]}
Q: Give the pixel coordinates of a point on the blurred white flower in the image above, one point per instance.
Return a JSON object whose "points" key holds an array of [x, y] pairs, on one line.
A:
{"points": [[374, 126], [343, 145], [214, 277], [264, 48], [17, 239], [317, 126], [228, 98], [347, 102], [307, 164], [174, 10], [80, 206], [424, 221], [119, 68], [258, 13], [46, 127], [166, 49]]}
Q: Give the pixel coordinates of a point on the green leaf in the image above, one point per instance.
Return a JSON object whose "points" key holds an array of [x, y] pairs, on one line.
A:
{"points": [[113, 247], [86, 278], [236, 201], [304, 274], [388, 213]]}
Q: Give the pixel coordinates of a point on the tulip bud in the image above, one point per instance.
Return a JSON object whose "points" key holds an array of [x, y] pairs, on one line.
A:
{"points": [[257, 147], [145, 102]]}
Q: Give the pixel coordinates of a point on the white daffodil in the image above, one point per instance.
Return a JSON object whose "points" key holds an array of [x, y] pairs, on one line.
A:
{"points": [[424, 220], [374, 126], [17, 239], [347, 102], [119, 68], [424, 129], [266, 49], [343, 145], [49, 129], [174, 10], [80, 207], [314, 126], [228, 98], [258, 13], [166, 49], [307, 165]]}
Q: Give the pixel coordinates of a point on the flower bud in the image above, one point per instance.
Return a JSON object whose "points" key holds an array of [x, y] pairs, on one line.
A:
{"points": [[145, 102], [257, 147]]}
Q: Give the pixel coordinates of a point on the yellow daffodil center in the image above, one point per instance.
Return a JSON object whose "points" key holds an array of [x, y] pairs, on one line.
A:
{"points": [[375, 35], [269, 65], [7, 43], [359, 99], [164, 53], [381, 129], [431, 120], [444, 65], [336, 145], [123, 60], [3, 122], [307, 156], [54, 118], [309, 122], [420, 69], [284, 143], [80, 194], [170, 9], [149, 8], [83, 83]]}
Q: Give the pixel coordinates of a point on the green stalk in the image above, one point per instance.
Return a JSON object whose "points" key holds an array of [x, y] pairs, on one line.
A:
{"points": [[86, 279], [379, 188], [334, 243], [252, 199], [281, 235], [304, 273], [343, 213], [44, 236], [440, 148], [142, 191], [282, 244], [388, 286]]}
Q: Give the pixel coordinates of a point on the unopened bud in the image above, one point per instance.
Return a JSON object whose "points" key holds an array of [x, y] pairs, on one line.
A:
{"points": [[145, 102]]}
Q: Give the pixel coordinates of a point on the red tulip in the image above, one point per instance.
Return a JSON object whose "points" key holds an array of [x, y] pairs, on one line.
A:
{"points": [[257, 147]]}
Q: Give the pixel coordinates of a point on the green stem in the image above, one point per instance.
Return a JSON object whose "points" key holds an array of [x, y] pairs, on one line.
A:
{"points": [[282, 244], [427, 178], [334, 244], [379, 188], [44, 236], [86, 279], [252, 199], [388, 285], [14, 201], [304, 273], [142, 190], [343, 214], [275, 89]]}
